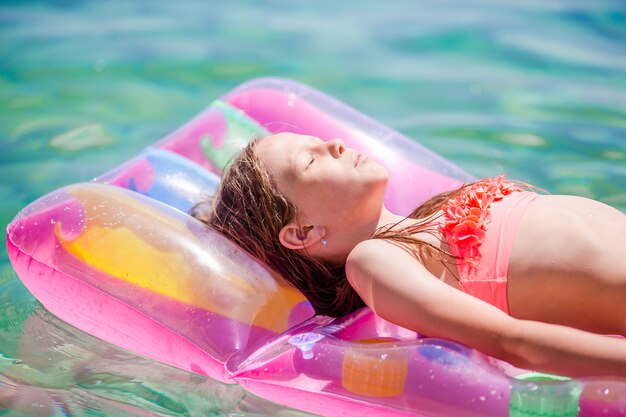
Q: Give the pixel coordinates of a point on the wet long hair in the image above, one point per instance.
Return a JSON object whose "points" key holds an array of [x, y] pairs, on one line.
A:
{"points": [[250, 211]]}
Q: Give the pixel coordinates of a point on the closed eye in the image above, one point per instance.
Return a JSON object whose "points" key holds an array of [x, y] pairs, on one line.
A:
{"points": [[311, 161]]}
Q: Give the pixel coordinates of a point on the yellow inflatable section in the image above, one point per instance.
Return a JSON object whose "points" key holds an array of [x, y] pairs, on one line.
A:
{"points": [[135, 241]]}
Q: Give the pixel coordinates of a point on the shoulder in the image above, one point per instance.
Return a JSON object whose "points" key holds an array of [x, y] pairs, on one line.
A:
{"points": [[367, 249], [372, 252], [374, 262], [363, 257]]}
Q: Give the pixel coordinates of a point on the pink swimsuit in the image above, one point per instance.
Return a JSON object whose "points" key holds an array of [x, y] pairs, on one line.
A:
{"points": [[480, 226]]}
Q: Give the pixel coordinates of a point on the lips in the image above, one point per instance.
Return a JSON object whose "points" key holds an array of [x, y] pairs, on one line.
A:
{"points": [[360, 158]]}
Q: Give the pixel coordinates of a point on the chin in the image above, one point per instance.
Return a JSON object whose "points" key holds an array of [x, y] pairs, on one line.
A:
{"points": [[382, 173], [383, 178]]}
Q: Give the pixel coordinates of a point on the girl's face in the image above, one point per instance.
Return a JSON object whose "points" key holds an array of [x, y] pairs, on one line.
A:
{"points": [[329, 183]]}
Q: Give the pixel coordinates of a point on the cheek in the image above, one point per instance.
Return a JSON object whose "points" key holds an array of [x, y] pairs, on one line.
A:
{"points": [[336, 190], [311, 198], [321, 196]]}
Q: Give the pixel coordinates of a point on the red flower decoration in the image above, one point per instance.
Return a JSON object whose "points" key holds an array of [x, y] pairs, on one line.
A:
{"points": [[467, 214]]}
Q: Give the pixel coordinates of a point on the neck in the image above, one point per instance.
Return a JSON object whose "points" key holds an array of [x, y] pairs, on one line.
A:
{"points": [[340, 246]]}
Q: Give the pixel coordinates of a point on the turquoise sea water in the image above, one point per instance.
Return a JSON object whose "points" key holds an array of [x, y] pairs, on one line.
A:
{"points": [[535, 89]]}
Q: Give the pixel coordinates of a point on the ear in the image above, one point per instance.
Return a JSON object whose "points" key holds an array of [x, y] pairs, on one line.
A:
{"points": [[294, 236]]}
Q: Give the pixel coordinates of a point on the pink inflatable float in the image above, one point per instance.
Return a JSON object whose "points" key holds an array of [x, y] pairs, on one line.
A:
{"points": [[119, 258]]}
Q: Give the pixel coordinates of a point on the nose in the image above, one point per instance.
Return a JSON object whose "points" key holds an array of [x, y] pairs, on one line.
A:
{"points": [[336, 147]]}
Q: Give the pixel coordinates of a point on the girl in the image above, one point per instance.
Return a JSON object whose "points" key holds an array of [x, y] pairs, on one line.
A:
{"points": [[535, 280]]}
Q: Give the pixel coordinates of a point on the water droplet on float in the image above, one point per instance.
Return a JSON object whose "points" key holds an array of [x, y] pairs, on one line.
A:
{"points": [[482, 398], [383, 356], [532, 387]]}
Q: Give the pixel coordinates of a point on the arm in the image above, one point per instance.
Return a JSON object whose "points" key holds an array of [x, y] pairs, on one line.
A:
{"points": [[400, 289]]}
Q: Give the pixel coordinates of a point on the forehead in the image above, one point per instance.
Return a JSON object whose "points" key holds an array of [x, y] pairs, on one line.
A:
{"points": [[287, 140], [279, 151]]}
